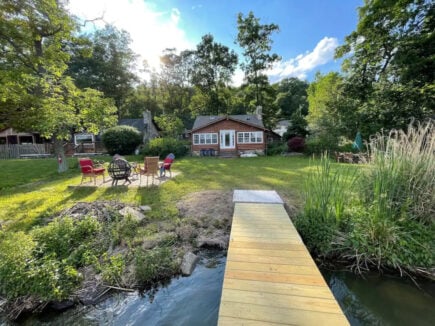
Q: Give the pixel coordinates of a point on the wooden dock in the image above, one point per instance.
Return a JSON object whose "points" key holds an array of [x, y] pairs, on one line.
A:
{"points": [[270, 277]]}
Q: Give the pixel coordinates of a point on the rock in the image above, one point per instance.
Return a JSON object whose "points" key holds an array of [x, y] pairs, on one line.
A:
{"points": [[145, 208], [138, 216], [61, 305], [219, 241], [188, 263]]}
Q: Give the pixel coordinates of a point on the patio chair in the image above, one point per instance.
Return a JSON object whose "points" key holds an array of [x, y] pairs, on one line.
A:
{"points": [[166, 165], [90, 170], [151, 168]]}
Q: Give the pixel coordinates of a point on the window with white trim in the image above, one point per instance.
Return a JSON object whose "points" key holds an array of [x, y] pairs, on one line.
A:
{"points": [[251, 137], [205, 138]]}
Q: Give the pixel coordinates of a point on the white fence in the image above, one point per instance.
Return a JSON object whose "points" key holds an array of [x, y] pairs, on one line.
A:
{"points": [[28, 150]]}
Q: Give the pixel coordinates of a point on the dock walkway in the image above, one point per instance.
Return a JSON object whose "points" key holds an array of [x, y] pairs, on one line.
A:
{"points": [[270, 277]]}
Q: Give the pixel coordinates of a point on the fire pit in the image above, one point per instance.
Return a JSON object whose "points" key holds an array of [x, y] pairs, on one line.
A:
{"points": [[119, 169]]}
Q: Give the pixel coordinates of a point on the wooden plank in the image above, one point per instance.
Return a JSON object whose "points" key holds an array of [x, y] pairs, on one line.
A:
{"points": [[328, 305], [269, 252], [302, 261], [264, 232], [229, 321], [275, 277], [270, 277], [268, 267], [286, 316], [302, 290], [266, 240], [272, 246]]}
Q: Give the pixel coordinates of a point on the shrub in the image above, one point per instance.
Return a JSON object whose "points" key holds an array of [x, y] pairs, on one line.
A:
{"points": [[276, 148], [296, 144], [112, 268], [23, 271], [163, 146], [121, 140], [62, 236], [154, 265], [318, 145]]}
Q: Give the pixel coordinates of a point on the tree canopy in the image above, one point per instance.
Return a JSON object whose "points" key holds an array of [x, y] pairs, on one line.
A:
{"points": [[390, 62], [35, 92], [255, 40]]}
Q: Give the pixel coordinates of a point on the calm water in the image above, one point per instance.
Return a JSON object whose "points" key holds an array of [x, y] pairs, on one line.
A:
{"points": [[189, 301], [195, 300], [382, 300]]}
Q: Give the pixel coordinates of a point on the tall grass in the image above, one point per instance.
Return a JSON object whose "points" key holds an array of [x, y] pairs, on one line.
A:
{"points": [[402, 181], [326, 193], [394, 226], [383, 217]]}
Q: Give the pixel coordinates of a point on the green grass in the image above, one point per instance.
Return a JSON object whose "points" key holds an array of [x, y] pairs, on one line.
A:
{"points": [[33, 190]]}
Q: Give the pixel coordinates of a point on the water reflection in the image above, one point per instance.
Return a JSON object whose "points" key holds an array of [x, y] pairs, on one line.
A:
{"points": [[377, 300], [189, 301], [194, 300]]}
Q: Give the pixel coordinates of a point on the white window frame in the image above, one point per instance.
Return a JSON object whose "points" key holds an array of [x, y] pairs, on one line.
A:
{"points": [[83, 138], [207, 138], [249, 137]]}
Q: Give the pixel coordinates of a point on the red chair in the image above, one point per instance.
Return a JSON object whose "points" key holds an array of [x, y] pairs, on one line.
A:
{"points": [[89, 170], [166, 166]]}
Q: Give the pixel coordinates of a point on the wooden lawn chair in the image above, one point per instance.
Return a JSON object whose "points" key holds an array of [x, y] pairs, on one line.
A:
{"points": [[151, 168]]}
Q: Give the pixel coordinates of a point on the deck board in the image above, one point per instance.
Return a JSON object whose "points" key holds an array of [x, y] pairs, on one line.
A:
{"points": [[270, 277]]}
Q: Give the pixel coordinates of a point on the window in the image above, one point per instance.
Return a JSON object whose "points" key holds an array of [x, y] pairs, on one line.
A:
{"points": [[83, 138], [202, 139], [250, 137]]}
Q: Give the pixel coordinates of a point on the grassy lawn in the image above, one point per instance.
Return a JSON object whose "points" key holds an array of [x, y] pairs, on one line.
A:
{"points": [[32, 189]]}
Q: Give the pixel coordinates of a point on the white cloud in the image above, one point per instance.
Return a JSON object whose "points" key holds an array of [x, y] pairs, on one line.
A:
{"points": [[304, 63], [151, 31], [238, 77]]}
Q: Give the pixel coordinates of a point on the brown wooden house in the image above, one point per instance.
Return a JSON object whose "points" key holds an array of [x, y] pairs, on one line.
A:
{"points": [[230, 135]]}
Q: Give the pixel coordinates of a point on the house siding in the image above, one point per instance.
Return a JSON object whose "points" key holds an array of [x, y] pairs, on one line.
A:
{"points": [[228, 125]]}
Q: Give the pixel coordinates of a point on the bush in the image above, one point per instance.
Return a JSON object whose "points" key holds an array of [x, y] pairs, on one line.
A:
{"points": [[121, 140], [163, 146], [276, 148], [318, 145], [23, 271], [62, 236], [154, 265], [296, 144]]}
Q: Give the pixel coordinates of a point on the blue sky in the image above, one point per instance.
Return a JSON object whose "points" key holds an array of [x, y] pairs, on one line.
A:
{"points": [[310, 30]]}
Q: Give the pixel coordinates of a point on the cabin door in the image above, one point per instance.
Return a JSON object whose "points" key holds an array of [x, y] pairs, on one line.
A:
{"points": [[227, 139]]}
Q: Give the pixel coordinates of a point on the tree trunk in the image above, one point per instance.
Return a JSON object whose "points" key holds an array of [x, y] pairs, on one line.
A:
{"points": [[59, 150]]}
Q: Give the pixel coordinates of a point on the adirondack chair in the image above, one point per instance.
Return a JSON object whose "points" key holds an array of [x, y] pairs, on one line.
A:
{"points": [[89, 170], [151, 168]]}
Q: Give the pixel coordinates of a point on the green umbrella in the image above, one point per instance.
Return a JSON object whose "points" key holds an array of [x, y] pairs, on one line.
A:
{"points": [[357, 143]]}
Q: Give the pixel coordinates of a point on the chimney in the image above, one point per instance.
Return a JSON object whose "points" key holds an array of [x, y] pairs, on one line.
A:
{"points": [[259, 112], [146, 123]]}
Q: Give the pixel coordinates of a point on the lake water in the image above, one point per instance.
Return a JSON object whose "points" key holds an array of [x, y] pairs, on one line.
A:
{"points": [[194, 300]]}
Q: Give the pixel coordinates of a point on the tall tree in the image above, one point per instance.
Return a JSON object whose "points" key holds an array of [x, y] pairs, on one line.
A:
{"points": [[35, 94], [212, 67], [391, 61], [173, 80], [331, 112], [109, 67], [255, 40], [291, 97]]}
